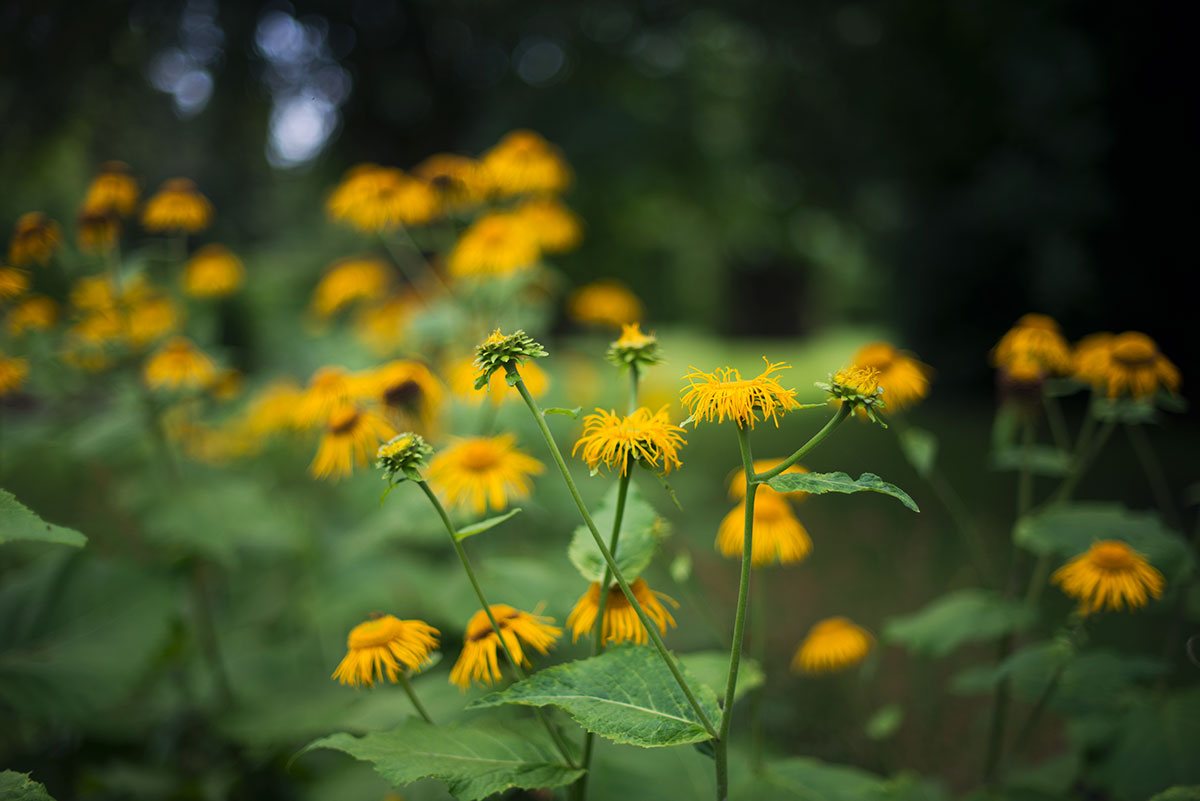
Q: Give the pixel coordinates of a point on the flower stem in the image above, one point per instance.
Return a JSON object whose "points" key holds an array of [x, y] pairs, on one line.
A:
{"points": [[835, 421], [412, 696], [633, 388], [487, 609], [655, 637], [758, 650], [1154, 474]]}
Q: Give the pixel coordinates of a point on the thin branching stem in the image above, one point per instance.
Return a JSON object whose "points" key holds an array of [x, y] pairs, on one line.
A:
{"points": [[412, 696]]}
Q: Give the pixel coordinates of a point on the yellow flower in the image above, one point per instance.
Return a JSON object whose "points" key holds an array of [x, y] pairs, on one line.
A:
{"points": [[411, 394], [328, 388], [1090, 361], [384, 646], [462, 383], [352, 435], [35, 313], [723, 394], [97, 231], [373, 199], [350, 280], [13, 283], [151, 318], [1109, 575], [481, 470], [605, 302], [479, 660], [904, 379], [177, 207], [457, 181], [1137, 367], [1038, 337], [178, 364], [496, 244], [859, 380], [524, 162], [612, 441], [13, 372], [778, 535], [737, 482], [93, 293], [381, 325], [113, 191], [34, 240], [621, 622], [213, 272], [272, 409], [556, 228], [226, 384], [831, 645]]}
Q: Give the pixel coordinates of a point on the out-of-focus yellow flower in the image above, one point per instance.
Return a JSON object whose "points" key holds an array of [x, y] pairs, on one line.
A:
{"points": [[374, 199], [1089, 362], [737, 481], [831, 645], [113, 191], [213, 271], [384, 646], [13, 283], [151, 318], [178, 364], [35, 239], [97, 231], [328, 388], [409, 392], [272, 409], [621, 621], [93, 293], [605, 302], [496, 244], [462, 383], [226, 384], [457, 181], [34, 313], [352, 435], [1109, 575], [905, 380], [610, 440], [177, 208], [723, 394], [1036, 337], [1134, 366], [778, 534], [479, 471], [13, 372], [523, 162], [350, 280], [556, 228], [479, 660], [382, 326]]}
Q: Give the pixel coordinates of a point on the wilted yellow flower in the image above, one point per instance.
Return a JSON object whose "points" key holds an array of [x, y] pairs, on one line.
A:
{"points": [[605, 302], [34, 240], [97, 231], [904, 379], [1037, 337], [114, 190], [352, 435], [462, 383], [178, 364], [723, 394], [381, 326], [610, 440], [410, 393], [621, 622], [213, 271], [737, 482], [479, 661], [350, 280], [778, 534], [328, 388], [481, 470], [556, 227], [1136, 367], [13, 371], [496, 244], [13, 283], [524, 162], [384, 646], [457, 181], [177, 207], [34, 313], [374, 199], [1109, 575], [831, 645]]}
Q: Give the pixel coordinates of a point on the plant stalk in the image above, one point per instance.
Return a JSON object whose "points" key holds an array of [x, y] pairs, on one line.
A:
{"points": [[838, 418], [412, 696]]}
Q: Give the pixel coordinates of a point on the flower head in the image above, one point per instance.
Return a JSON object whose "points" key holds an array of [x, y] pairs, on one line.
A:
{"points": [[500, 350], [13, 283], [178, 364], [523, 162], [34, 313], [621, 621], [177, 207], [34, 240], [352, 435], [97, 230], [1128, 364], [606, 302], [409, 392], [272, 409], [461, 378], [496, 244], [859, 388], [1037, 337], [328, 388], [13, 371], [150, 317], [457, 181], [613, 441], [114, 190], [213, 272], [347, 281], [383, 646], [722, 394], [737, 481], [554, 226], [1109, 575], [373, 199], [831, 645], [904, 377], [382, 325], [479, 660], [479, 471], [778, 534], [402, 455], [1090, 360], [633, 348]]}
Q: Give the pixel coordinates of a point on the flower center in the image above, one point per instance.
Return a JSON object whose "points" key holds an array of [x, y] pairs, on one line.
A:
{"points": [[1112, 556], [406, 394], [375, 633], [479, 457], [1134, 350], [343, 420]]}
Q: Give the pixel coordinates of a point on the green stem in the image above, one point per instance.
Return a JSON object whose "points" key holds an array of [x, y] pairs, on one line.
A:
{"points": [[761, 478], [633, 388], [412, 696], [1154, 474], [1056, 421], [1080, 463], [206, 627], [655, 637], [487, 610], [758, 648]]}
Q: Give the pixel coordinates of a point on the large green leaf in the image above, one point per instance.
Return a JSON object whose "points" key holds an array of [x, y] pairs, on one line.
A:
{"points": [[474, 759], [811, 779], [19, 787], [820, 483], [641, 530], [711, 668], [1071, 529], [19, 523], [1156, 747], [626, 694], [956, 618]]}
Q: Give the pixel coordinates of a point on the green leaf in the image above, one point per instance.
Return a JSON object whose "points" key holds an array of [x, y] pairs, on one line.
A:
{"points": [[641, 530], [920, 448], [956, 618], [1123, 410], [19, 787], [1179, 793], [820, 483], [810, 779], [884, 722], [572, 413], [1041, 460], [711, 668], [19, 523], [484, 525], [1156, 747], [474, 759], [625, 694], [1068, 530]]}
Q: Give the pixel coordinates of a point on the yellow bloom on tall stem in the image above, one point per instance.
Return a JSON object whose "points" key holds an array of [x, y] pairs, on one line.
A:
{"points": [[831, 645], [605, 302], [462, 383], [556, 227], [905, 379], [1135, 366], [350, 280], [409, 392], [1090, 360], [1037, 337], [723, 394], [34, 313], [34, 240], [737, 482], [523, 162], [178, 364], [383, 647], [1109, 575], [272, 409], [778, 534], [213, 271], [621, 621], [13, 371], [382, 325], [328, 388], [13, 283], [352, 435], [376, 199], [97, 231], [114, 190], [497, 244], [177, 207], [457, 181], [610, 440], [480, 471], [479, 660], [150, 318]]}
